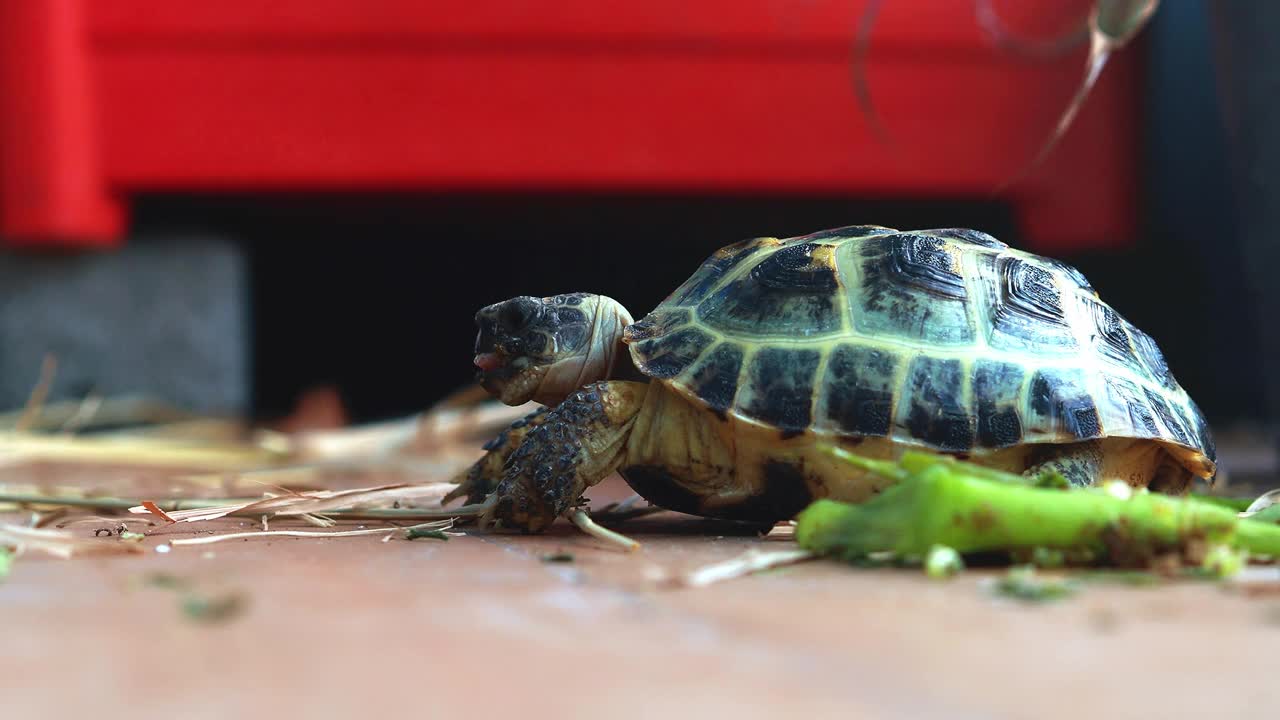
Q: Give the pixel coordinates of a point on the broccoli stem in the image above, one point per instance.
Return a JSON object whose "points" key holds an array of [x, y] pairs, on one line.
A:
{"points": [[949, 503]]}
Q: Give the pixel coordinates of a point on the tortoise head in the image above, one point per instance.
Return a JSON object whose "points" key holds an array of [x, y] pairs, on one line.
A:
{"points": [[543, 349]]}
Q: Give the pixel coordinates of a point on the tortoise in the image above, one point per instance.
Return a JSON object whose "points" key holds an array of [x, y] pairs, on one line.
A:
{"points": [[870, 338]]}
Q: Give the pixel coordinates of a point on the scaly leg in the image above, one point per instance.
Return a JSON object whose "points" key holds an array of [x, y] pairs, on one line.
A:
{"points": [[577, 445], [1079, 463], [482, 478]]}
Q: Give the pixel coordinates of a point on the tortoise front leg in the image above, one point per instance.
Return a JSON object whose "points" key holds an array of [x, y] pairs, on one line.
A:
{"points": [[577, 445], [476, 482]]}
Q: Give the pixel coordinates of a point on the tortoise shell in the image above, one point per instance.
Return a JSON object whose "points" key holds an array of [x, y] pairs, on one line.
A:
{"points": [[947, 339]]}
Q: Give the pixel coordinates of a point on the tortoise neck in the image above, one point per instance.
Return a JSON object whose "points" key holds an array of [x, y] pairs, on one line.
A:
{"points": [[602, 357]]}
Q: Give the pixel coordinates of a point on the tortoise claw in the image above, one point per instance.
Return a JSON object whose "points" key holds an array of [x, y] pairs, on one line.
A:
{"points": [[480, 480], [472, 484]]}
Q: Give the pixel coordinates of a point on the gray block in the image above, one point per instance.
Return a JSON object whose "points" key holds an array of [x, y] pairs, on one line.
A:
{"points": [[166, 316]]}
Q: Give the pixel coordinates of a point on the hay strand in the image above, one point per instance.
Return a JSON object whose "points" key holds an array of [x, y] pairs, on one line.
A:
{"points": [[438, 525]]}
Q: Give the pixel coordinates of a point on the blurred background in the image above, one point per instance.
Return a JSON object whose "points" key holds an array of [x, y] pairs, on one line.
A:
{"points": [[229, 205]]}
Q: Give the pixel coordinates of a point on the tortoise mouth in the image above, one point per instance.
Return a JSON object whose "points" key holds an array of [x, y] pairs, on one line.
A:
{"points": [[512, 380], [487, 362], [498, 365]]}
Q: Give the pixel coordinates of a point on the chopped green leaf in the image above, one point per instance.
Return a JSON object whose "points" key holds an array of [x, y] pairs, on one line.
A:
{"points": [[1023, 583], [167, 581], [215, 608], [1133, 578], [416, 533]]}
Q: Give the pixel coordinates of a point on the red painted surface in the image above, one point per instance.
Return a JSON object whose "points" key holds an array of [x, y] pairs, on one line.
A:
{"points": [[133, 96], [53, 187]]}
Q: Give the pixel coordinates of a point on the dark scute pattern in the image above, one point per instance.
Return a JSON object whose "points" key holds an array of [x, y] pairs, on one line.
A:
{"points": [[973, 237], [669, 355], [793, 269], [1153, 416], [1076, 276], [715, 379], [788, 292], [1060, 402], [1141, 417], [1188, 421], [1111, 339], [642, 329], [711, 271], [936, 414], [1167, 417], [924, 262], [657, 323], [909, 304], [1083, 422], [1031, 290], [858, 390], [997, 394], [673, 318], [1152, 358], [1027, 313], [781, 383], [1203, 433], [848, 232], [999, 427]]}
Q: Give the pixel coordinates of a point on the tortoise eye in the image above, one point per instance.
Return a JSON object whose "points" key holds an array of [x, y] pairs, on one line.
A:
{"points": [[518, 312]]}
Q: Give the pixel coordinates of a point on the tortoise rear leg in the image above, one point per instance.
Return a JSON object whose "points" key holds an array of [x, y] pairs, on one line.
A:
{"points": [[576, 445], [482, 478], [1079, 463]]}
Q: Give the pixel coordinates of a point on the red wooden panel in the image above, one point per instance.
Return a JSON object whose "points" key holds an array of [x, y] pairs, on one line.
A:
{"points": [[51, 186], [333, 122], [397, 95], [924, 27]]}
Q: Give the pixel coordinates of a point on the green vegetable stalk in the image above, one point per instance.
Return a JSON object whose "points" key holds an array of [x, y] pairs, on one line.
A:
{"points": [[941, 501]]}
